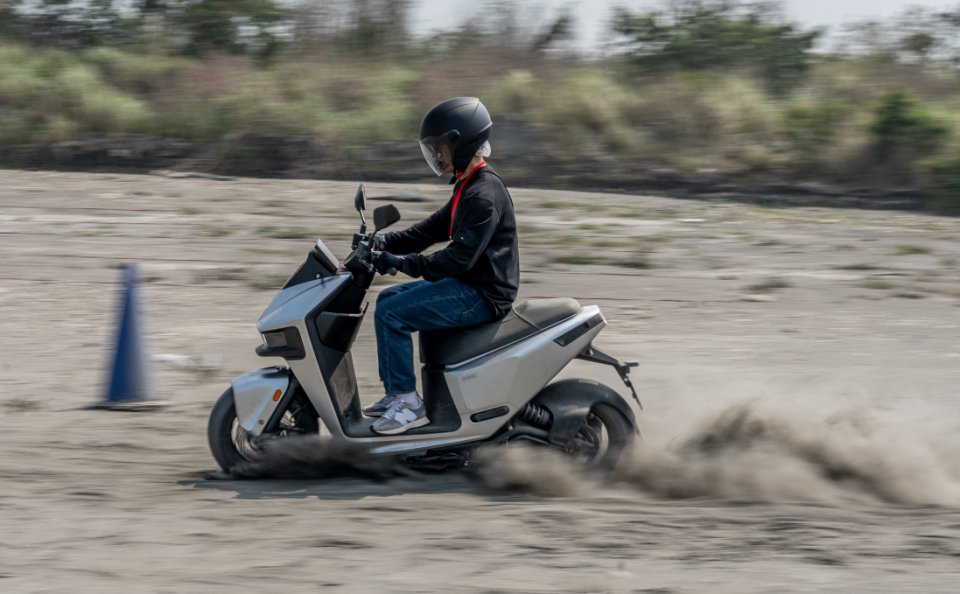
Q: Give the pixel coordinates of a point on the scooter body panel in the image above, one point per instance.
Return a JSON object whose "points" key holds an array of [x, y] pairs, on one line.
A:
{"points": [[514, 375], [292, 308], [292, 305], [253, 396], [509, 377]]}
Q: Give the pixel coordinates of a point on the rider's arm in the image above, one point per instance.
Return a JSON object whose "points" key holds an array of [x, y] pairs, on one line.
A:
{"points": [[431, 230], [473, 233]]}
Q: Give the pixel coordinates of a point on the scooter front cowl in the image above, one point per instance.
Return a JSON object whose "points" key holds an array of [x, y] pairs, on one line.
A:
{"points": [[257, 394]]}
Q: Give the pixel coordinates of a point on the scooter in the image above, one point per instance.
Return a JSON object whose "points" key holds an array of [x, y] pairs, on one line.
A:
{"points": [[486, 385]]}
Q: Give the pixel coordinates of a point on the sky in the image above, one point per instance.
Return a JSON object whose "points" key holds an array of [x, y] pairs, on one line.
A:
{"points": [[592, 15]]}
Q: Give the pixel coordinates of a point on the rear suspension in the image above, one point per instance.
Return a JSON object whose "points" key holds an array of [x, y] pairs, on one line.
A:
{"points": [[535, 415]]}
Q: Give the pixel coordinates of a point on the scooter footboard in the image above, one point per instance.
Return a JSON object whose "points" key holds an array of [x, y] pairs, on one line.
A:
{"points": [[258, 394], [569, 402]]}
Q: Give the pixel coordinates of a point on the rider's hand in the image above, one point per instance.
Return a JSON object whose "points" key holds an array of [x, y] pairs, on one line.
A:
{"points": [[384, 261]]}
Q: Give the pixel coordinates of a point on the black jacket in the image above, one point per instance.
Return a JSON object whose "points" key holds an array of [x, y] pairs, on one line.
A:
{"points": [[483, 250]]}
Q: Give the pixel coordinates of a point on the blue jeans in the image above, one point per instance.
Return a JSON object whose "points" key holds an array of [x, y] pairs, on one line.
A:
{"points": [[421, 305]]}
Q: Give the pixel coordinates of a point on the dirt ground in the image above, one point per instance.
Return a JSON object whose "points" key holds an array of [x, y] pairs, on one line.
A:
{"points": [[798, 369]]}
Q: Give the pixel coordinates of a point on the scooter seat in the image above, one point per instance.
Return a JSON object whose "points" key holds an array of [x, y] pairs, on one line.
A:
{"points": [[446, 347]]}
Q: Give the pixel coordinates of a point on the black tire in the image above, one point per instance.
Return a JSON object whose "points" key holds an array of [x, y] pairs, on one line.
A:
{"points": [[231, 445], [607, 430], [619, 434]]}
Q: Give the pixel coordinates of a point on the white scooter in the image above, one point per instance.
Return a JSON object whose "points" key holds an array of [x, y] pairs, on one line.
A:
{"points": [[484, 385]]}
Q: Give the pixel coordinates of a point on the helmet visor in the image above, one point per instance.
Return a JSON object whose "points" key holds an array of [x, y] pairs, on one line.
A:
{"points": [[439, 150]]}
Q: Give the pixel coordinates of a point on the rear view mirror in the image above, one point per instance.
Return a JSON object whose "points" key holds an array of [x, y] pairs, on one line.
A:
{"points": [[360, 200], [384, 216]]}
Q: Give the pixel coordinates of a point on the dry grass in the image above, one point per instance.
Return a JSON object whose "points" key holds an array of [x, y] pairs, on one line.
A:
{"points": [[21, 405], [639, 259], [578, 258], [723, 120], [876, 284], [211, 231], [267, 282], [768, 286], [287, 233], [909, 249], [220, 274]]}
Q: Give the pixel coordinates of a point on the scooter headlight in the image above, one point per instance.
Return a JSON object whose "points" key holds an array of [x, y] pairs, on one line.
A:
{"points": [[284, 343], [274, 340]]}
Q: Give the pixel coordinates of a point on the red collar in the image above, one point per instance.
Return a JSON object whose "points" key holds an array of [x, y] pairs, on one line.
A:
{"points": [[456, 197], [479, 165]]}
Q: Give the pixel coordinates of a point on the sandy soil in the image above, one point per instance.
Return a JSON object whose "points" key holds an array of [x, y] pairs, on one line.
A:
{"points": [[799, 373]]}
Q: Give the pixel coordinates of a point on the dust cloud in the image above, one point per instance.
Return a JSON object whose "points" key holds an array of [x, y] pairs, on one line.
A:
{"points": [[763, 452], [762, 449], [765, 449], [315, 457]]}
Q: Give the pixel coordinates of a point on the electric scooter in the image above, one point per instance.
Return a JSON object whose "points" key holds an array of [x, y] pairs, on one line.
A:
{"points": [[484, 386]]}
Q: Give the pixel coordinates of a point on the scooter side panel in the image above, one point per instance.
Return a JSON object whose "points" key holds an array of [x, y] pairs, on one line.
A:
{"points": [[536, 361], [291, 305], [529, 365], [253, 396], [290, 308], [485, 386]]}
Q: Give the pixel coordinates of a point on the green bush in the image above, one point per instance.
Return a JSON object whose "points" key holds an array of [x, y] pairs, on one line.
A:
{"points": [[811, 129], [56, 96], [944, 182], [901, 124]]}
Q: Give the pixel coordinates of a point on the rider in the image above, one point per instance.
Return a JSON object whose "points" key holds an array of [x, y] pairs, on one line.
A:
{"points": [[473, 280]]}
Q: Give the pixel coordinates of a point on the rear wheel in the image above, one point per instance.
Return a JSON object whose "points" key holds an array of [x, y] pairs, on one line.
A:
{"points": [[602, 437], [230, 443], [604, 433]]}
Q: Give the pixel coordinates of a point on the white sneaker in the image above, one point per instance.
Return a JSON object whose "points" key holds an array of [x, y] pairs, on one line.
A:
{"points": [[379, 407], [401, 417]]}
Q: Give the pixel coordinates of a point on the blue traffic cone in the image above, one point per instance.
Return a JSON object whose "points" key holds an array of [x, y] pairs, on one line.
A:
{"points": [[130, 382]]}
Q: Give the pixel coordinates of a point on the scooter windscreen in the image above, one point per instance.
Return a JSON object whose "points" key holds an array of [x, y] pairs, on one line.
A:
{"points": [[320, 263]]}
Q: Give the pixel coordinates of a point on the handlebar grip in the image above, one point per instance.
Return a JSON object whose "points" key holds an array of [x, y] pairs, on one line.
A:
{"points": [[392, 271]]}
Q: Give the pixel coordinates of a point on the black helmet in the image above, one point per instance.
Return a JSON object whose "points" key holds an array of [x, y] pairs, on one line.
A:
{"points": [[463, 124]]}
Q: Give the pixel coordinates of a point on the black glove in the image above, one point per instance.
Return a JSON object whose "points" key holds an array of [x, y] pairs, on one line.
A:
{"points": [[386, 263]]}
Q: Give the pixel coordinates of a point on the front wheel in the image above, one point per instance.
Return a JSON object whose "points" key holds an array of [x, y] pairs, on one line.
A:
{"points": [[230, 443]]}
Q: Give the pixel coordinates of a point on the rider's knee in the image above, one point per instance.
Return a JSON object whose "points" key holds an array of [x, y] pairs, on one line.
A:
{"points": [[386, 293], [380, 315]]}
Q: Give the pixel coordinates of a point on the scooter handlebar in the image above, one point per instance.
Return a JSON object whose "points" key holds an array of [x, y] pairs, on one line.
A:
{"points": [[363, 252]]}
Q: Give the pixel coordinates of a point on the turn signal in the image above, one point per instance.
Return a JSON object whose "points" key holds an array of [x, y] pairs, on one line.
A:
{"points": [[276, 395]]}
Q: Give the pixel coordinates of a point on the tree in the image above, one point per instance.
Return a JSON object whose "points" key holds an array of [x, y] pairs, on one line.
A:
{"points": [[237, 26], [69, 24], [560, 29], [10, 18], [704, 34], [364, 26], [917, 35]]}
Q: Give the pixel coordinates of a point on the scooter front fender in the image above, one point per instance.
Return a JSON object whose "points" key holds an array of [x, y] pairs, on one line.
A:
{"points": [[257, 394]]}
